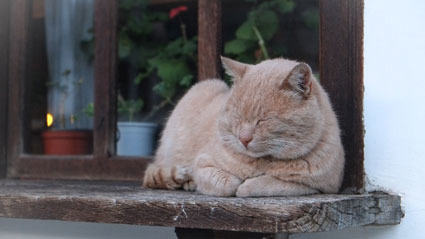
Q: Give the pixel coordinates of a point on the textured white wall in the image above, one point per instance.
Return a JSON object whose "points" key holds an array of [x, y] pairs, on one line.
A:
{"points": [[395, 132]]}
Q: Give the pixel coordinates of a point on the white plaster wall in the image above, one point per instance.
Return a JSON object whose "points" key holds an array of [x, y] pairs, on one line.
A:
{"points": [[394, 57]]}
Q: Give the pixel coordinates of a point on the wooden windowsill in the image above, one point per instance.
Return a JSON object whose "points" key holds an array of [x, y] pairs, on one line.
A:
{"points": [[127, 203]]}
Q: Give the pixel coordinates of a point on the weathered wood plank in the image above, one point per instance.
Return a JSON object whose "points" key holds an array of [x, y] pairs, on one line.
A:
{"points": [[105, 76], [130, 204], [82, 167], [209, 39], [341, 74], [4, 65]]}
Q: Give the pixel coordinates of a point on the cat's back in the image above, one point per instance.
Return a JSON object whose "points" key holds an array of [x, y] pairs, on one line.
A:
{"points": [[192, 122]]}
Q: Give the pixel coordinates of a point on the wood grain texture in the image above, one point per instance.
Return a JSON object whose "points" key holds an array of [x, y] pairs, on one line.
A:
{"points": [[4, 65], [18, 49], [130, 204], [209, 39], [341, 74], [105, 75], [79, 168]]}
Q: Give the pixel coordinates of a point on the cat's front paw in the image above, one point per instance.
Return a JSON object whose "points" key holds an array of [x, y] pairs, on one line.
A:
{"points": [[245, 189], [252, 187], [172, 177], [216, 182], [182, 174], [189, 185]]}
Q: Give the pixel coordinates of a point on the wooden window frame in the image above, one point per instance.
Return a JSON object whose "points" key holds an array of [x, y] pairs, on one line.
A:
{"points": [[341, 74]]}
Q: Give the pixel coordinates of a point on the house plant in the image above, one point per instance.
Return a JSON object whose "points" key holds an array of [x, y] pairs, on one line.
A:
{"points": [[62, 137], [70, 83], [134, 138], [155, 54], [169, 63]]}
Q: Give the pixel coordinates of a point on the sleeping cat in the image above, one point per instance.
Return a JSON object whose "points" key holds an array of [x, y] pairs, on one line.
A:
{"points": [[273, 133]]}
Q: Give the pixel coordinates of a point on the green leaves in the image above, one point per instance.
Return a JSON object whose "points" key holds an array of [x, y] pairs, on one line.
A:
{"points": [[285, 6], [130, 107], [89, 110], [66, 72], [245, 32], [189, 47], [237, 46], [251, 45], [172, 67], [139, 25], [171, 72], [267, 23], [125, 46], [186, 81]]}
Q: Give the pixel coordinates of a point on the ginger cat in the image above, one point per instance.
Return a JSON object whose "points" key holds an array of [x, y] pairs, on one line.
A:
{"points": [[273, 133]]}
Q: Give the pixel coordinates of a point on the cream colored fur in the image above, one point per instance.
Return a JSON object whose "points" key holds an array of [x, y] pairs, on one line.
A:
{"points": [[278, 109]]}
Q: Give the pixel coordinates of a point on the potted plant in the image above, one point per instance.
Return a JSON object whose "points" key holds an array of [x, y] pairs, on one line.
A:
{"points": [[170, 63], [152, 58], [134, 138], [61, 137]]}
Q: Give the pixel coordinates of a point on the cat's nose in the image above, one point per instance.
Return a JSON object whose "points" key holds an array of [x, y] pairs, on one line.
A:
{"points": [[245, 139]]}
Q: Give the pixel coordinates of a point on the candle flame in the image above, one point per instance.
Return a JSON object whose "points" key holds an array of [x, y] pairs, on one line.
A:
{"points": [[49, 119]]}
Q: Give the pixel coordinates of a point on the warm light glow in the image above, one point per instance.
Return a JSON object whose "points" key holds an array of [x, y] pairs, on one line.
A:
{"points": [[49, 119]]}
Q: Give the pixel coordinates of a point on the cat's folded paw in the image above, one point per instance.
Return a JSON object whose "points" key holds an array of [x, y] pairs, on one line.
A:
{"points": [[243, 190], [182, 174], [189, 186], [231, 186], [220, 184], [250, 188], [166, 177]]}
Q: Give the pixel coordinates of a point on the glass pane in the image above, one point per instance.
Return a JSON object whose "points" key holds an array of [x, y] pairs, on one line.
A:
{"points": [[60, 86], [157, 64], [287, 28]]}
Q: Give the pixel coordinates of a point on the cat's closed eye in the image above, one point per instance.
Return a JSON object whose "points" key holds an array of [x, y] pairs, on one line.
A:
{"points": [[260, 121]]}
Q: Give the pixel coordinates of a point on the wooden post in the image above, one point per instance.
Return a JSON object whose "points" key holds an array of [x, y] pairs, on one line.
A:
{"points": [[209, 39], [4, 53], [18, 46], [341, 74], [105, 73]]}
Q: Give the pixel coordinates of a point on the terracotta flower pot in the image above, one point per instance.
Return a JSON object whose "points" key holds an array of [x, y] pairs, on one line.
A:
{"points": [[67, 142]]}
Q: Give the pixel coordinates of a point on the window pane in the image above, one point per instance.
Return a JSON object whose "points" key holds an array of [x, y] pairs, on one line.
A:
{"points": [[60, 82], [289, 29], [157, 64]]}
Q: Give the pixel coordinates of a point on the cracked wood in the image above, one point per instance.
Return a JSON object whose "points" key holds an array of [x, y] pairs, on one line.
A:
{"points": [[130, 204]]}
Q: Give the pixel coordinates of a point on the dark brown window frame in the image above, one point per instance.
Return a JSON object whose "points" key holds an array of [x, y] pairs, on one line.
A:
{"points": [[341, 73]]}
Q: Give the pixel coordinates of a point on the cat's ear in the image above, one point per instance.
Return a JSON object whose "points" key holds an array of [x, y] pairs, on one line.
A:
{"points": [[299, 80], [234, 68]]}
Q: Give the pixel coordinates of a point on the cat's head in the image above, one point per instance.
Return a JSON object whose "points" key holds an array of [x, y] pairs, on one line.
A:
{"points": [[273, 109]]}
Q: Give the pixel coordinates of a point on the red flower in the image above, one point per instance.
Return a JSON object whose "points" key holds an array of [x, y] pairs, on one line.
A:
{"points": [[175, 11]]}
